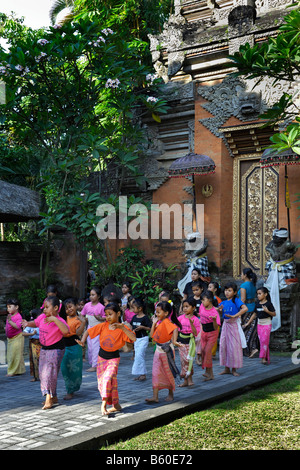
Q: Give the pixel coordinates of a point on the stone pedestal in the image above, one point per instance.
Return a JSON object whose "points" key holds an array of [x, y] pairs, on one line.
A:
{"points": [[281, 340]]}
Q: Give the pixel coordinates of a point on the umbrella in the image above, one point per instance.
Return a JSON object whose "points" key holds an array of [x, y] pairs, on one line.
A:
{"points": [[271, 157], [192, 164]]}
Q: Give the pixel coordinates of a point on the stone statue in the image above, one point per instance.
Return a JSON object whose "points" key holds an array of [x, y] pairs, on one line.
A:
{"points": [[282, 252], [281, 268], [196, 258]]}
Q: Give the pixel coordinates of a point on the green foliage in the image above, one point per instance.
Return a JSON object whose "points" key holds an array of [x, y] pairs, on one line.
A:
{"points": [[75, 94], [31, 297], [149, 281], [279, 58]]}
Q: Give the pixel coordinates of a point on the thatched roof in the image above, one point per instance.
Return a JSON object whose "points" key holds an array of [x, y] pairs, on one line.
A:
{"points": [[17, 203]]}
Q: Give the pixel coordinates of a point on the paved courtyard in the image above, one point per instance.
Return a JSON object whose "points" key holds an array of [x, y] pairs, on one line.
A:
{"points": [[78, 423]]}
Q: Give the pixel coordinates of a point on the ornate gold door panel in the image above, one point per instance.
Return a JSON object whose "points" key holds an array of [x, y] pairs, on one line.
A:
{"points": [[255, 213]]}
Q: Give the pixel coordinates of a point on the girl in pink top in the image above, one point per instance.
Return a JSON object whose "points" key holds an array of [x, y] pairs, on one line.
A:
{"points": [[15, 339], [94, 313], [190, 328], [210, 320], [52, 328]]}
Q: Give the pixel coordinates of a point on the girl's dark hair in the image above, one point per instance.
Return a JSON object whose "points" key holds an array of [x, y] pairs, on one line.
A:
{"points": [[232, 285], [126, 283], [54, 301], [82, 299], [71, 300], [115, 307], [250, 275], [97, 290], [207, 294], [112, 297], [139, 303], [191, 301], [198, 271], [167, 307], [165, 293], [13, 301], [265, 291], [52, 289], [216, 285], [35, 312], [130, 299], [198, 283]]}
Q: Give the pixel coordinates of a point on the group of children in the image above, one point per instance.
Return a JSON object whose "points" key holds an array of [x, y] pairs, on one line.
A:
{"points": [[59, 330]]}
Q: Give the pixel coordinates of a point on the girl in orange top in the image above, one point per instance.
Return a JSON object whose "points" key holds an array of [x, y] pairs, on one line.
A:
{"points": [[112, 335], [164, 332], [71, 365]]}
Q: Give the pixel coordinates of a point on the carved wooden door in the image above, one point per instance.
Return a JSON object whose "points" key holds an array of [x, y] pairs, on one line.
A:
{"points": [[258, 213]]}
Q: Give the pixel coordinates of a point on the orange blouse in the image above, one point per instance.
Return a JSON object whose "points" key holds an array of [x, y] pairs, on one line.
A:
{"points": [[164, 331], [73, 323], [110, 340]]}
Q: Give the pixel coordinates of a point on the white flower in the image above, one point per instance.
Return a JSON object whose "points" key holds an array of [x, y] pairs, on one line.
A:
{"points": [[42, 42], [19, 67], [39, 57], [57, 26], [150, 77], [112, 83], [110, 31], [152, 99]]}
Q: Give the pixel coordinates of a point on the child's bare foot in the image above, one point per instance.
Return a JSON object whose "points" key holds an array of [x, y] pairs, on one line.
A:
{"points": [[234, 372], [92, 369], [225, 371], [69, 396], [170, 397], [152, 400], [185, 384], [103, 409], [209, 377], [115, 409]]}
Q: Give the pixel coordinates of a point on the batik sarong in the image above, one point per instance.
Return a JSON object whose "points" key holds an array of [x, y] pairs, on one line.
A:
{"points": [[50, 361], [264, 332], [140, 348], [15, 355], [93, 346], [71, 368], [107, 370], [208, 341], [230, 347], [34, 357], [187, 354], [162, 376]]}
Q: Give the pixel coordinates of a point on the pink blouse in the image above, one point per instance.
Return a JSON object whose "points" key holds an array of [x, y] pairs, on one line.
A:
{"points": [[128, 315], [49, 332], [205, 315], [10, 331], [186, 326]]}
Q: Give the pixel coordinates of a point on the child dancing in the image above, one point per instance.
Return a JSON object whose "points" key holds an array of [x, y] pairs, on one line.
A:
{"points": [[190, 328], [210, 320], [112, 336], [230, 349], [264, 311], [164, 332]]}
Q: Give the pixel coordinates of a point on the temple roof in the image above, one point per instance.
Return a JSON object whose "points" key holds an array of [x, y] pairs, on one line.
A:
{"points": [[17, 203]]}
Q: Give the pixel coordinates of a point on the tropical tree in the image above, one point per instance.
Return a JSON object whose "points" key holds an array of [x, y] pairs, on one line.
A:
{"points": [[75, 93], [279, 58]]}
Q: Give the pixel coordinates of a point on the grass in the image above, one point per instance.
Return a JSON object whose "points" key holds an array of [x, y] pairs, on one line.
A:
{"points": [[267, 418]]}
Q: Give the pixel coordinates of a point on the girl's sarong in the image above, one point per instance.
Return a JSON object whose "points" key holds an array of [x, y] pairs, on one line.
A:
{"points": [[208, 341], [215, 347], [34, 357], [198, 342], [162, 376], [140, 348], [230, 347], [107, 370], [15, 355], [71, 368], [187, 355], [250, 333], [264, 332], [50, 361], [93, 350]]}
